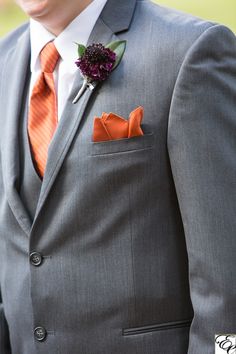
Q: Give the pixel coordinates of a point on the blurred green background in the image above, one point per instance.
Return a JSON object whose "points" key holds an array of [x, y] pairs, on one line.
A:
{"points": [[215, 10]]}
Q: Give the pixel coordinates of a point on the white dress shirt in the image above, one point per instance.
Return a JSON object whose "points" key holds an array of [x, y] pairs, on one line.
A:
{"points": [[77, 31]]}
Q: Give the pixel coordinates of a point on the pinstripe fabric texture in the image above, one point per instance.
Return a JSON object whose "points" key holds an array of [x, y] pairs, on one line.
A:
{"points": [[43, 118]]}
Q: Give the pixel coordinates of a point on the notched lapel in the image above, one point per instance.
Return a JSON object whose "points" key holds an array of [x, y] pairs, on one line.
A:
{"points": [[74, 113], [19, 60], [70, 120]]}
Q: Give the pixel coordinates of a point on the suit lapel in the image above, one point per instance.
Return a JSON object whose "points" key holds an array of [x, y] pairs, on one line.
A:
{"points": [[73, 114], [19, 60]]}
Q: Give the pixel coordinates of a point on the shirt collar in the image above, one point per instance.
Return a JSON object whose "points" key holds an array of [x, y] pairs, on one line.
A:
{"points": [[78, 31]]}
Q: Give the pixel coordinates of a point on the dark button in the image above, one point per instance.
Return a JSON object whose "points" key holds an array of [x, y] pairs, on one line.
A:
{"points": [[36, 259], [40, 334]]}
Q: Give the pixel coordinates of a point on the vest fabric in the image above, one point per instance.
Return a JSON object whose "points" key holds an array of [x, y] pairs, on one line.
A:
{"points": [[30, 182]]}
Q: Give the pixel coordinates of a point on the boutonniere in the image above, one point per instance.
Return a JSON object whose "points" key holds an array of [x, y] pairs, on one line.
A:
{"points": [[96, 62]]}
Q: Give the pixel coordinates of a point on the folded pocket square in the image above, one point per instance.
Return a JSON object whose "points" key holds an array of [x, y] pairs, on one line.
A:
{"points": [[111, 127]]}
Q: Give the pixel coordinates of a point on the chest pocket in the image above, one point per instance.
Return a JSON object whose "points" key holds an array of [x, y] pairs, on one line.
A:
{"points": [[126, 145]]}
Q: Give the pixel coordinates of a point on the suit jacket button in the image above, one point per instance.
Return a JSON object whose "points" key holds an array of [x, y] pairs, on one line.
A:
{"points": [[36, 259], [40, 334]]}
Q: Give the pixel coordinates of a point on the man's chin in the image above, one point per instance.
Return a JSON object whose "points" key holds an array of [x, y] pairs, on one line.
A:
{"points": [[34, 8]]}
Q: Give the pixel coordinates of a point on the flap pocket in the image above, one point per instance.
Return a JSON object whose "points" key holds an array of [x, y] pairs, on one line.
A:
{"points": [[156, 327]]}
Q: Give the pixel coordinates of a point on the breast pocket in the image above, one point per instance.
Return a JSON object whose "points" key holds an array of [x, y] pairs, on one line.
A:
{"points": [[136, 143]]}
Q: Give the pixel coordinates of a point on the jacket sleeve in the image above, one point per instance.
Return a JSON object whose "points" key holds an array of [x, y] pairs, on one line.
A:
{"points": [[4, 335], [202, 151]]}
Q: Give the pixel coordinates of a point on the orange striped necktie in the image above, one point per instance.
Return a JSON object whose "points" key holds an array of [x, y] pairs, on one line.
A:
{"points": [[42, 119]]}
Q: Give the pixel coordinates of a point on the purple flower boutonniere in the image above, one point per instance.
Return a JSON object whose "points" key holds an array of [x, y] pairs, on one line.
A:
{"points": [[96, 62]]}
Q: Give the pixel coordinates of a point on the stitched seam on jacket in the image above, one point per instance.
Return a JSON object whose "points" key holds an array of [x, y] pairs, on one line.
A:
{"points": [[132, 255]]}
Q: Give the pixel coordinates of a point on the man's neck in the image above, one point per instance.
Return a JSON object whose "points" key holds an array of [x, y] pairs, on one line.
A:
{"points": [[59, 23]]}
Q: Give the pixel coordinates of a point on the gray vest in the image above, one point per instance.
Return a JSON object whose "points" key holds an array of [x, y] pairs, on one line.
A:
{"points": [[30, 182]]}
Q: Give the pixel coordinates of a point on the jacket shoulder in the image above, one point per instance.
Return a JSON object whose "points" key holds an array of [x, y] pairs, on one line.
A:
{"points": [[9, 42], [173, 26]]}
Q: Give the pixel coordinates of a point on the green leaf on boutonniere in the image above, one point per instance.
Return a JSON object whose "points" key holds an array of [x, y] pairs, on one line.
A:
{"points": [[81, 50], [119, 48]]}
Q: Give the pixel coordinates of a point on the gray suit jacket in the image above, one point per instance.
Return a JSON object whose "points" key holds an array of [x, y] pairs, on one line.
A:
{"points": [[137, 236]]}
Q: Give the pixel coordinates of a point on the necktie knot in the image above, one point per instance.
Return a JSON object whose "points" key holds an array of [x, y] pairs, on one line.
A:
{"points": [[49, 57]]}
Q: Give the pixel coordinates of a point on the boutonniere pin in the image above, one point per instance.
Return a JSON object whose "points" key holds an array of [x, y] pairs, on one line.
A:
{"points": [[96, 62]]}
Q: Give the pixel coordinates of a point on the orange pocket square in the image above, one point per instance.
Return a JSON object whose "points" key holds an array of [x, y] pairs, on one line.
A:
{"points": [[111, 127]]}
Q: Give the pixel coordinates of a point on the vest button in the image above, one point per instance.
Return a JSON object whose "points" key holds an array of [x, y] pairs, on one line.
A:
{"points": [[36, 259], [40, 334]]}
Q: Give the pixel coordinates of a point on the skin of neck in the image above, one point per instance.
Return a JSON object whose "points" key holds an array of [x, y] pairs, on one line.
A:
{"points": [[56, 16], [57, 23]]}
